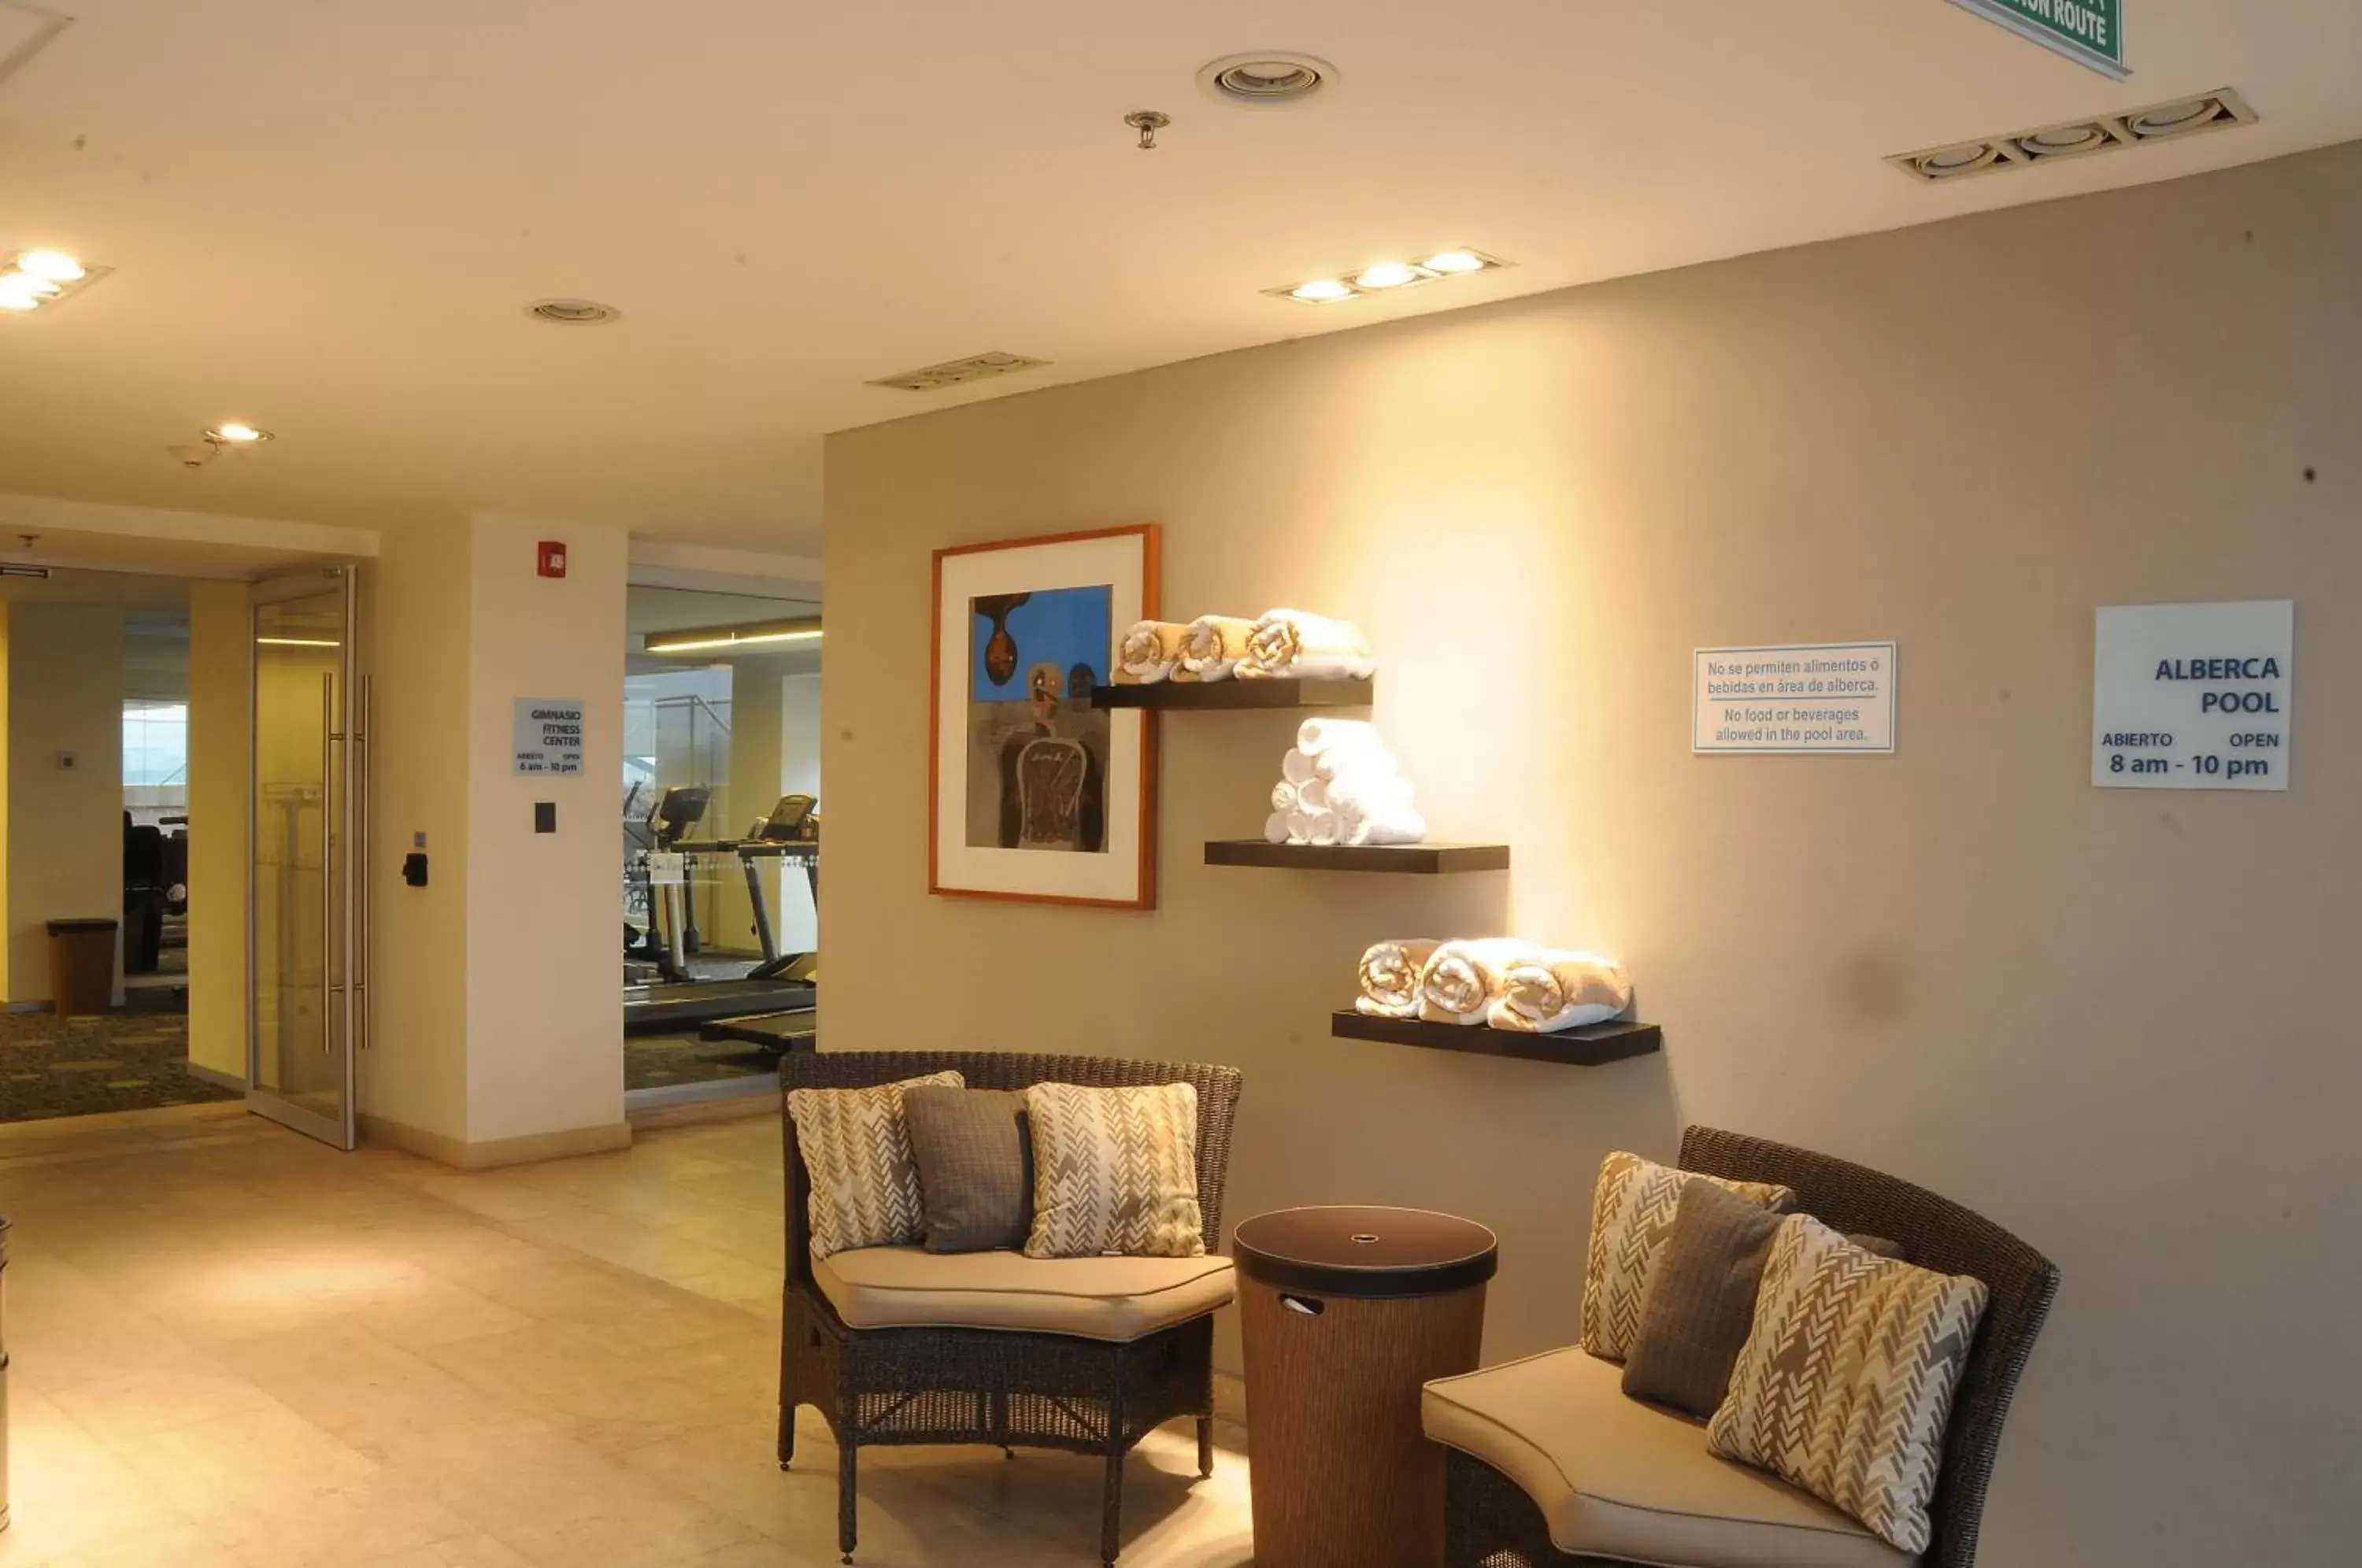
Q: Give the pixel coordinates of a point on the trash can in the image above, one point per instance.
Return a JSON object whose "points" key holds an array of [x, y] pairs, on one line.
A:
{"points": [[81, 966], [1346, 1311]]}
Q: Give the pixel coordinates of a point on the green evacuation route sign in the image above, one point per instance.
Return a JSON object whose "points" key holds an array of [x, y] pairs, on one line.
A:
{"points": [[2088, 32]]}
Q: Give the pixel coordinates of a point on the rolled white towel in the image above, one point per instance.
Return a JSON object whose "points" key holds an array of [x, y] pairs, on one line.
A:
{"points": [[1463, 979], [1149, 652], [1313, 796], [1394, 825], [1325, 829], [1316, 735], [1296, 768], [1274, 828], [1299, 826], [1299, 645], [1212, 646], [1547, 992], [1371, 789], [1346, 761], [1283, 797], [1389, 975]]}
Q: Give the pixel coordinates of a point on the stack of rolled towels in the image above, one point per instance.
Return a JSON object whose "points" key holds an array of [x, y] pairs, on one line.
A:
{"points": [[1498, 981], [1291, 644], [1338, 784]]}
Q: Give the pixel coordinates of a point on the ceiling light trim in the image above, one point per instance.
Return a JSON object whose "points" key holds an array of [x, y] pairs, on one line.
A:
{"points": [[1356, 282], [1265, 78], [2192, 115]]}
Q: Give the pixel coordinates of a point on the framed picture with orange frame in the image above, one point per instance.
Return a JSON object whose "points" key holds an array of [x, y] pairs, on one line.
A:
{"points": [[1037, 794]]}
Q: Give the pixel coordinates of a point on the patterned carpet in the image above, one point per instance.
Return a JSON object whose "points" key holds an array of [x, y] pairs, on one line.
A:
{"points": [[81, 1066]]}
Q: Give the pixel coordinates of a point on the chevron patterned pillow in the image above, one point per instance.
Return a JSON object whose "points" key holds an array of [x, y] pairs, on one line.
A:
{"points": [[865, 1183], [1632, 1214], [1115, 1170], [1848, 1376]]}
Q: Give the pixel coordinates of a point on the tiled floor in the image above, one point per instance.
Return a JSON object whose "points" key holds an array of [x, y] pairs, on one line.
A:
{"points": [[232, 1346]]}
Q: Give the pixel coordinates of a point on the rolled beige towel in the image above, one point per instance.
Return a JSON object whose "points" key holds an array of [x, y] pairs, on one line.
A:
{"points": [[1149, 652], [1463, 979], [1296, 643], [1548, 991], [1389, 973], [1212, 646]]}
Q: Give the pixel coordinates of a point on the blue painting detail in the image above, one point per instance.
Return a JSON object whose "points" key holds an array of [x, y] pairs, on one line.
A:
{"points": [[1067, 629]]}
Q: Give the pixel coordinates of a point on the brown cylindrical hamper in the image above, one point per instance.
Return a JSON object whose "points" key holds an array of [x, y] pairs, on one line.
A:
{"points": [[82, 966], [1346, 1311]]}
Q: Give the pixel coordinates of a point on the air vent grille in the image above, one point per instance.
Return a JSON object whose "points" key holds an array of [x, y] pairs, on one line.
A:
{"points": [[2219, 110], [958, 372]]}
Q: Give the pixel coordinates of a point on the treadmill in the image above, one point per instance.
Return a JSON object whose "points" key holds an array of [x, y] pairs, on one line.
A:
{"points": [[678, 999], [790, 833]]}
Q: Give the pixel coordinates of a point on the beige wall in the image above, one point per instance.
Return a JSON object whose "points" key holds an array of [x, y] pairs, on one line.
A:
{"points": [[65, 837], [220, 758], [2120, 1023], [545, 1011], [774, 751], [414, 609]]}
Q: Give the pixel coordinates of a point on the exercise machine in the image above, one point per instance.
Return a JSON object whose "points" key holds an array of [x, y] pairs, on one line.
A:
{"points": [[779, 983]]}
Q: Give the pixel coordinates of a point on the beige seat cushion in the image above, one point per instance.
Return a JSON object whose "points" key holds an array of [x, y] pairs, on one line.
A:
{"points": [[1620, 1478], [1097, 1298]]}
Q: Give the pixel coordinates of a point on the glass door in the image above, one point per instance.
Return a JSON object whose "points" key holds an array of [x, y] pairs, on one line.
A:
{"points": [[306, 954]]}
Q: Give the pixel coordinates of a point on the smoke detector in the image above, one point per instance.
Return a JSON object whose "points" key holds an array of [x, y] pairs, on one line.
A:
{"points": [[572, 312], [957, 372], [2219, 110], [1267, 79]]}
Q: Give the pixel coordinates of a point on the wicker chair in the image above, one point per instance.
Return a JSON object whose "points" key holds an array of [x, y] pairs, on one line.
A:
{"points": [[1491, 1523], [988, 1385]]}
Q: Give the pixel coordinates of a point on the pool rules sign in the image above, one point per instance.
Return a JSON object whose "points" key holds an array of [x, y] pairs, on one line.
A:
{"points": [[2193, 696]]}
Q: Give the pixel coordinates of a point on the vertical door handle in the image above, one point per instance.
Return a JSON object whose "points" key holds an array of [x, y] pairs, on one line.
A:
{"points": [[327, 860], [357, 755]]}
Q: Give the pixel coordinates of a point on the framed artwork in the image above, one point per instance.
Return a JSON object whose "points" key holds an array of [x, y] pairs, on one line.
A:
{"points": [[1037, 794]]}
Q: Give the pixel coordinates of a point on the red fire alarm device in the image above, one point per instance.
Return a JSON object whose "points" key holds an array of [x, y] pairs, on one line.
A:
{"points": [[553, 557]]}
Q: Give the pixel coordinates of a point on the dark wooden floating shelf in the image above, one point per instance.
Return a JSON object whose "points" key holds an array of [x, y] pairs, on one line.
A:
{"points": [[1237, 693], [1423, 859], [1590, 1046]]}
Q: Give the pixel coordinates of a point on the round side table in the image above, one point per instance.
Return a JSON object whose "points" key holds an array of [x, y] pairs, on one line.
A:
{"points": [[1345, 1312]]}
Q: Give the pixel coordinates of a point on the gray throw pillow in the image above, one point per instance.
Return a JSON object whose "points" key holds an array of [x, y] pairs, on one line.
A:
{"points": [[976, 1166], [1700, 1300]]}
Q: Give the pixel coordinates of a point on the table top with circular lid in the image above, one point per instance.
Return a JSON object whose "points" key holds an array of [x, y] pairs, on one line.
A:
{"points": [[1365, 1249]]}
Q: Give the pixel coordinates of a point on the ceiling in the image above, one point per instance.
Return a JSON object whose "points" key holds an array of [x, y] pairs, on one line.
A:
{"points": [[154, 605], [326, 219]]}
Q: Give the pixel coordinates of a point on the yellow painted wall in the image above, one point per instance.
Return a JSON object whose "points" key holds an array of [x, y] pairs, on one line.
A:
{"points": [[220, 751], [2121, 1023], [65, 838]]}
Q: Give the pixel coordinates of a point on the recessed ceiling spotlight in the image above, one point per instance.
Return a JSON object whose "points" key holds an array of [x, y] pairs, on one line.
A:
{"points": [[1383, 277], [572, 312], [237, 433], [32, 278], [2222, 109], [1267, 79]]}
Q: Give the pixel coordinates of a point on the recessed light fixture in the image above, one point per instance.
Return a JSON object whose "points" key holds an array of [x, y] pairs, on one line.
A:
{"points": [[1385, 277], [1267, 79], [237, 433], [958, 372], [30, 280], [2218, 110], [753, 633], [572, 312]]}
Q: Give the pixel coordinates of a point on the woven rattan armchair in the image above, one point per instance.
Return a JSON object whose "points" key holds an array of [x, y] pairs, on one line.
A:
{"points": [[1491, 1523], [989, 1385]]}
